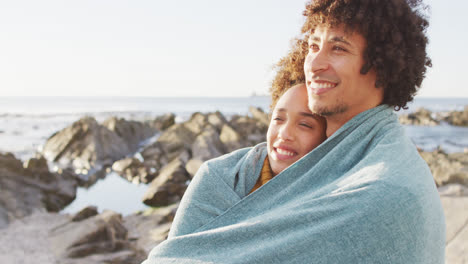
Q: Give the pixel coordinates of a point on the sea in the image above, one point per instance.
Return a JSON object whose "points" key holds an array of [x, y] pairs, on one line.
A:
{"points": [[27, 122]]}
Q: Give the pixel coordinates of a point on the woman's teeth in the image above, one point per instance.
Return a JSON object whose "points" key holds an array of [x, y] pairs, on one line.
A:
{"points": [[284, 152]]}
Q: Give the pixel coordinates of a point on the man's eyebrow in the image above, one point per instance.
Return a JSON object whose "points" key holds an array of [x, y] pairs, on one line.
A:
{"points": [[333, 39], [340, 39]]}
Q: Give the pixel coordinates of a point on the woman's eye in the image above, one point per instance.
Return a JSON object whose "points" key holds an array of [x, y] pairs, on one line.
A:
{"points": [[305, 125]]}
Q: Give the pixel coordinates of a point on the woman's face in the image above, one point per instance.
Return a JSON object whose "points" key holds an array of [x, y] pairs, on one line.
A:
{"points": [[294, 131]]}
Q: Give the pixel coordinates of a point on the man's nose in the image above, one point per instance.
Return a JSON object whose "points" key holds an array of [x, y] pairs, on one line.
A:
{"points": [[316, 62]]}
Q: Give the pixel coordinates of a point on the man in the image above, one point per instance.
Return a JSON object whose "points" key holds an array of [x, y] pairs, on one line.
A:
{"points": [[362, 196]]}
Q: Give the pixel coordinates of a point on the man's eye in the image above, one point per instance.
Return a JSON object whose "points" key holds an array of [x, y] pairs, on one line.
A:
{"points": [[338, 48], [314, 47]]}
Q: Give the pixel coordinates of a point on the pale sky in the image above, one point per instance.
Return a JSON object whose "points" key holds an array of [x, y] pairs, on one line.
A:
{"points": [[180, 47]]}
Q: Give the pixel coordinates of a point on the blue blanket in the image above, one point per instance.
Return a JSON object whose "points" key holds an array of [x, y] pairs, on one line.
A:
{"points": [[363, 196]]}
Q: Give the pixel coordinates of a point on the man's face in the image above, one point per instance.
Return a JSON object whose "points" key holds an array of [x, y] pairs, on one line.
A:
{"points": [[335, 86]]}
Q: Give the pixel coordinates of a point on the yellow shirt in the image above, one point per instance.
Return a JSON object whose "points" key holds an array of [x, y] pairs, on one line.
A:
{"points": [[265, 175]]}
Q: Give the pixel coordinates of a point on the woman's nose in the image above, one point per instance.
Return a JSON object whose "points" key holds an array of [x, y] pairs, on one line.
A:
{"points": [[286, 132]]}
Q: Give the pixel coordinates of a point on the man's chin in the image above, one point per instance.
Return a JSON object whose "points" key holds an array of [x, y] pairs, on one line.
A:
{"points": [[326, 110]]}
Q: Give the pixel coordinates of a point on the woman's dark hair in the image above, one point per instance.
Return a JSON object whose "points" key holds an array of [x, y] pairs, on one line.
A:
{"points": [[395, 31]]}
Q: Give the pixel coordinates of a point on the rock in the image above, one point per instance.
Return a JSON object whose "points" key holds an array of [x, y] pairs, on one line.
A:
{"points": [[163, 122], [24, 191], [447, 168], [197, 138], [134, 256], [258, 114], [149, 228], [85, 146], [132, 132], [251, 131], [169, 185], [85, 213], [453, 190], [217, 120], [61, 191], [4, 219], [134, 170], [231, 139], [192, 166], [26, 240], [38, 163], [458, 118], [205, 137], [10, 163], [40, 236], [196, 123], [169, 145], [101, 234], [456, 217], [421, 117], [207, 145]]}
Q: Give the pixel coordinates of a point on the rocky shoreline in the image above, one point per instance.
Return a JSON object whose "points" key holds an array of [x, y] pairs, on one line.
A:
{"points": [[424, 117], [165, 155]]}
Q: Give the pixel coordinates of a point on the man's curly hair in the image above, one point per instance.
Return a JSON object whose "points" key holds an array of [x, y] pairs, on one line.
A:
{"points": [[395, 31]]}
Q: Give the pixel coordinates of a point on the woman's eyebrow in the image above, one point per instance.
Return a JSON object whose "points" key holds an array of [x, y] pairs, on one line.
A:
{"points": [[307, 114]]}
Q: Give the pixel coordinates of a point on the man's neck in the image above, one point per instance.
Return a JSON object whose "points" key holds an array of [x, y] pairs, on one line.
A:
{"points": [[335, 121], [333, 124]]}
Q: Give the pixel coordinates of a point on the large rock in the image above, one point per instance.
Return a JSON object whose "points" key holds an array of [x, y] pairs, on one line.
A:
{"points": [[169, 185], [32, 188], [132, 132], [85, 213], [196, 123], [26, 240], [216, 119], [447, 168], [149, 228], [458, 118], [163, 122], [85, 146], [96, 238], [133, 170], [260, 115], [206, 146], [53, 238], [199, 136], [203, 137], [456, 218], [251, 130], [421, 117], [169, 145], [231, 139]]}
